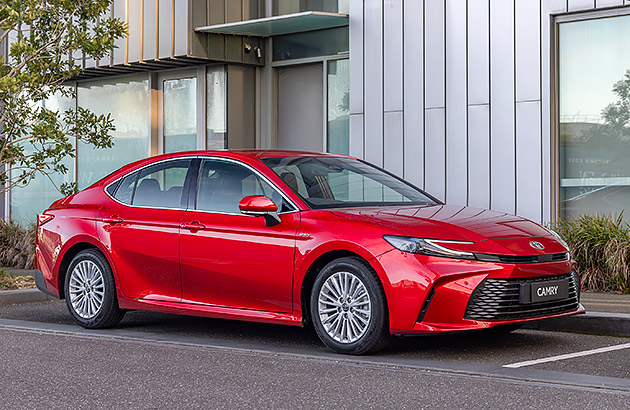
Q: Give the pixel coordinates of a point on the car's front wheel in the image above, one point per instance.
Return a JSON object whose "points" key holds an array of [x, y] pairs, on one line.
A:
{"points": [[348, 307], [91, 292]]}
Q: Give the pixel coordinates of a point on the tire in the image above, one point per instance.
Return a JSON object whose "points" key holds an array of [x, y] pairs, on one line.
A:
{"points": [[364, 328], [91, 292]]}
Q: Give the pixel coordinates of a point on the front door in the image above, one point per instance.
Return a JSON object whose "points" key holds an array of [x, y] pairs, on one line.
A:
{"points": [[234, 260], [301, 107]]}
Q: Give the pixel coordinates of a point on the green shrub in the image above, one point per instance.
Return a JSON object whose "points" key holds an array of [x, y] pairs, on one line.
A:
{"points": [[600, 245], [17, 245]]}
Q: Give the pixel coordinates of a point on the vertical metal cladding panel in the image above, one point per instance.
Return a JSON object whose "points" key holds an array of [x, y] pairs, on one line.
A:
{"points": [[608, 3], [393, 148], [479, 155], [216, 12], [527, 31], [181, 28], [241, 109], [456, 104], [478, 52], [392, 56], [434, 53], [356, 59], [528, 162], [434, 166], [413, 95], [502, 161], [549, 7], [165, 24], [119, 50], [373, 91], [356, 135], [149, 42], [103, 62], [135, 37], [234, 11], [575, 5]]}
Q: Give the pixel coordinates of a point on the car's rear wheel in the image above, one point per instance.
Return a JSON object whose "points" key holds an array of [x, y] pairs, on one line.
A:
{"points": [[91, 292], [348, 307]]}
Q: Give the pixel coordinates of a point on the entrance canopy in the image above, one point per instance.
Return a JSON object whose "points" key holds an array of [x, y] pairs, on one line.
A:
{"points": [[279, 25]]}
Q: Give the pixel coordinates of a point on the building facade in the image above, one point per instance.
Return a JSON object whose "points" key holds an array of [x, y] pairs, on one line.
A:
{"points": [[512, 105]]}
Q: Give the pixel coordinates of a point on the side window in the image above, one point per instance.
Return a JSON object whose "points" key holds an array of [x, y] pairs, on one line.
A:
{"points": [[161, 185], [223, 184], [124, 193]]}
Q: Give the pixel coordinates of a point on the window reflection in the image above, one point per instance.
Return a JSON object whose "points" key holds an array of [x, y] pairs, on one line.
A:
{"points": [[127, 99], [338, 106], [216, 135], [594, 117], [180, 114], [27, 201]]}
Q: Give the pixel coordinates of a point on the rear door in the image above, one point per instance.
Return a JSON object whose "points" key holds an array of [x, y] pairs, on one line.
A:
{"points": [[234, 260], [140, 224]]}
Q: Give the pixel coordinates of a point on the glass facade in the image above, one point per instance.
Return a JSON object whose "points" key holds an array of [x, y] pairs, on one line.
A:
{"points": [[29, 200], [594, 117], [338, 112], [180, 114], [216, 104], [127, 99], [296, 6]]}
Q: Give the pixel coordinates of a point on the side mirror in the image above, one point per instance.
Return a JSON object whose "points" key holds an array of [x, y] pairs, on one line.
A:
{"points": [[260, 205]]}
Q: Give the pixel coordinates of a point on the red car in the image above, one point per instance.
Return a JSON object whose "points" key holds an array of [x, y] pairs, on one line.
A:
{"points": [[297, 238]]}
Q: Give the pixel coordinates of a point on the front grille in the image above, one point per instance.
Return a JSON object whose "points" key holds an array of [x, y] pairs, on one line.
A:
{"points": [[549, 257], [498, 299]]}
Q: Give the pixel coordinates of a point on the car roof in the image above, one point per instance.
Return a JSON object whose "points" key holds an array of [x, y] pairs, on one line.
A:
{"points": [[257, 153]]}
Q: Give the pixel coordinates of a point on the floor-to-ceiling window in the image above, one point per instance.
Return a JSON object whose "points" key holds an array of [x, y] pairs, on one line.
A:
{"points": [[28, 200], [127, 99], [594, 116]]}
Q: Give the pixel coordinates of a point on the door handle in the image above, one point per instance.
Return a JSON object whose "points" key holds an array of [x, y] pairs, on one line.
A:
{"points": [[114, 219], [193, 226]]}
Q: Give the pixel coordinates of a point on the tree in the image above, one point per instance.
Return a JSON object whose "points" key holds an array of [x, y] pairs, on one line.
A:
{"points": [[47, 40]]}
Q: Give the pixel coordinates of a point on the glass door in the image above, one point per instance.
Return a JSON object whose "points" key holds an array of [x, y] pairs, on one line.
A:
{"points": [[178, 109]]}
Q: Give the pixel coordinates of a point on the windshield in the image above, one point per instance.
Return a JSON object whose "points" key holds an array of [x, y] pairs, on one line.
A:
{"points": [[329, 182]]}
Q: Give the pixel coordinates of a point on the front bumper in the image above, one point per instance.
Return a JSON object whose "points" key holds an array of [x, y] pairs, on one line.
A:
{"points": [[431, 294]]}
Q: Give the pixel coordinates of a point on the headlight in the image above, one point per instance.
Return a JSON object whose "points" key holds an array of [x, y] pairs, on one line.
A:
{"points": [[559, 238], [431, 247]]}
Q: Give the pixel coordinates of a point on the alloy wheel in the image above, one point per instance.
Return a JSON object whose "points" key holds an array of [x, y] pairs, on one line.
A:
{"points": [[344, 307], [87, 289]]}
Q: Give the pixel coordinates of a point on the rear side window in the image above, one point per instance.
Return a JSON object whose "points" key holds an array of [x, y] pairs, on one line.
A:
{"points": [[124, 193], [161, 185]]}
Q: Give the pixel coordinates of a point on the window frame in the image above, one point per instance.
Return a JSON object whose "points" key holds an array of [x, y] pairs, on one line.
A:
{"points": [[555, 92], [137, 171]]}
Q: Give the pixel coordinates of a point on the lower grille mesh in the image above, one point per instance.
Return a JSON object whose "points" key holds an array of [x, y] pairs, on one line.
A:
{"points": [[498, 299]]}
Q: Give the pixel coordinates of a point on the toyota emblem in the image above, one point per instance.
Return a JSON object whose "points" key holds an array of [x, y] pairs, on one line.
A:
{"points": [[537, 245]]}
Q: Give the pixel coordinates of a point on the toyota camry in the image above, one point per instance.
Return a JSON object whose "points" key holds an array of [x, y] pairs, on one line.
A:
{"points": [[301, 239]]}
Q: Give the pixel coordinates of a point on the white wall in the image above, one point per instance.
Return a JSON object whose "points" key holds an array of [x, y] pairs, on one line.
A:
{"points": [[455, 96]]}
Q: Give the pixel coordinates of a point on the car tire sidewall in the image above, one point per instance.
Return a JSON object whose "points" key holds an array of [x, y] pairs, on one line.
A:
{"points": [[110, 301], [375, 336]]}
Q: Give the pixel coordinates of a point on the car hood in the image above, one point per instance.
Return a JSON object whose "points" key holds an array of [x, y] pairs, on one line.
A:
{"points": [[448, 222]]}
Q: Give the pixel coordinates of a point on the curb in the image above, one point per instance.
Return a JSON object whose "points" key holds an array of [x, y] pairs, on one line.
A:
{"points": [[10, 297], [597, 323]]}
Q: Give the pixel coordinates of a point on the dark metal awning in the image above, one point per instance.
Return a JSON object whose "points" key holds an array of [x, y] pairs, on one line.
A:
{"points": [[278, 25]]}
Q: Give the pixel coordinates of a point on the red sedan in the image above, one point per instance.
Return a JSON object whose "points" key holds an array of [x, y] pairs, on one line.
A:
{"points": [[297, 238]]}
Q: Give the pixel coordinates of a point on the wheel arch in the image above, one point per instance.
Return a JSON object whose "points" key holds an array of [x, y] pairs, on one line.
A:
{"points": [[313, 270], [69, 254]]}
